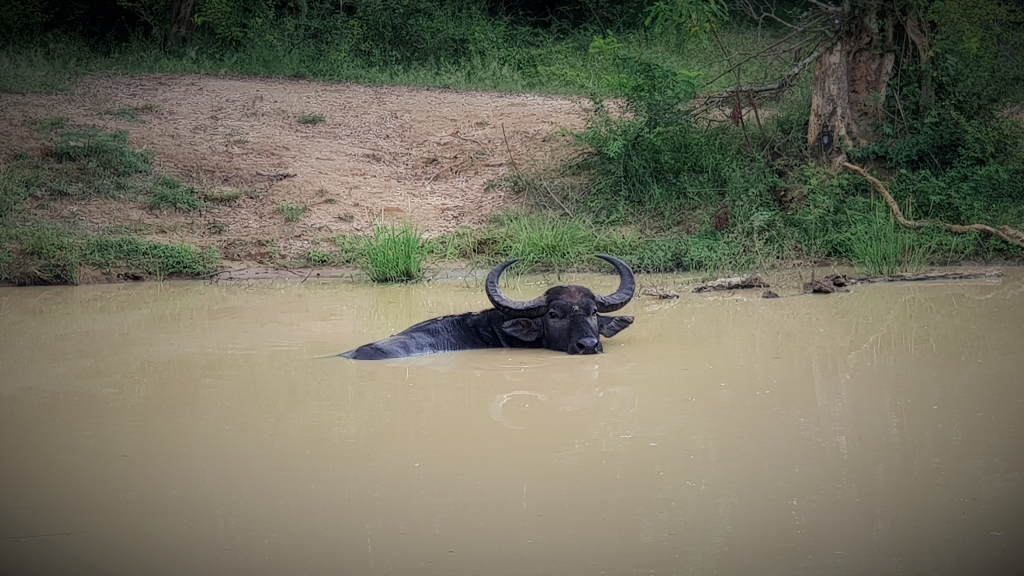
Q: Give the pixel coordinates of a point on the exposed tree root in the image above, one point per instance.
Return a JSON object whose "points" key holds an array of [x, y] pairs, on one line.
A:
{"points": [[1005, 232]]}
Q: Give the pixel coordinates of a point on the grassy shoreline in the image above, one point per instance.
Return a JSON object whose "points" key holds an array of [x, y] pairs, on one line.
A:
{"points": [[83, 163], [661, 192]]}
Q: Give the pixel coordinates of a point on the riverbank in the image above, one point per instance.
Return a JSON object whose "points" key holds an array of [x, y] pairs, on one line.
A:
{"points": [[135, 177]]}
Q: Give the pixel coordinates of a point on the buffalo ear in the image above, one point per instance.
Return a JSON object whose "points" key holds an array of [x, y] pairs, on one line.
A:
{"points": [[610, 326], [523, 328]]}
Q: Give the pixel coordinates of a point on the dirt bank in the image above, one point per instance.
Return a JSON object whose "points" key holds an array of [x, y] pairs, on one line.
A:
{"points": [[381, 153]]}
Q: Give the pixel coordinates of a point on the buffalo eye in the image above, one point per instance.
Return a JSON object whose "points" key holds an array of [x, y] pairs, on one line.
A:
{"points": [[553, 314]]}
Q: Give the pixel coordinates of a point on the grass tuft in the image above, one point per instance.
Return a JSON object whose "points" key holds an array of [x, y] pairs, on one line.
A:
{"points": [[106, 151], [171, 193], [394, 254], [879, 248], [292, 212], [312, 118], [545, 240]]}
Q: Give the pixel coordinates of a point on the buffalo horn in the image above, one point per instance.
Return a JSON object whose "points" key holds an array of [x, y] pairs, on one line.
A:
{"points": [[532, 309], [627, 285]]}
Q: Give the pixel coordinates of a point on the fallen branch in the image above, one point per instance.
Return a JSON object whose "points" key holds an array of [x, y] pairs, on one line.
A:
{"points": [[837, 282], [1006, 233], [919, 276], [737, 283], [660, 293]]}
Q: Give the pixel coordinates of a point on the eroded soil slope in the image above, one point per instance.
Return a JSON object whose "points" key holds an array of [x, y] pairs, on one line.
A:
{"points": [[382, 153]]}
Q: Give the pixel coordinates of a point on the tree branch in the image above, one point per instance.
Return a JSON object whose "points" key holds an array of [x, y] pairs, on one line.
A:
{"points": [[782, 85], [828, 7], [1005, 232]]}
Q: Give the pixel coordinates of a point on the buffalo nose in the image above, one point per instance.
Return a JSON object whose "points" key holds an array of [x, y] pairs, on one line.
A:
{"points": [[587, 346]]}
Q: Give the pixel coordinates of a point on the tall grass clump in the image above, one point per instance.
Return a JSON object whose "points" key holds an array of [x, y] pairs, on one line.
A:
{"points": [[543, 240], [878, 247], [394, 254]]}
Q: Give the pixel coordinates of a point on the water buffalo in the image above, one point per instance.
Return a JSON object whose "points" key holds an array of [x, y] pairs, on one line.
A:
{"points": [[565, 318]]}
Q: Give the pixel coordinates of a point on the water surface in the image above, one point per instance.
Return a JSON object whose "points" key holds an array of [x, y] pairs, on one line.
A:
{"points": [[188, 428]]}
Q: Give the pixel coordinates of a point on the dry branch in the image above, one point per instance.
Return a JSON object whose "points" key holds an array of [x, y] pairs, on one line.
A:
{"points": [[737, 283], [921, 276], [839, 282], [1005, 232]]}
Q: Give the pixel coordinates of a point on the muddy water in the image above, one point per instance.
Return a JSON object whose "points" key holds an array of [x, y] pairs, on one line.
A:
{"points": [[184, 428]]}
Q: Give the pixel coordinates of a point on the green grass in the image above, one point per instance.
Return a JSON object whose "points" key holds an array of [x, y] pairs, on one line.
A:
{"points": [[878, 247], [544, 240], [17, 183], [169, 192], [83, 163], [105, 151], [394, 254], [54, 254], [319, 257], [292, 212], [45, 67], [312, 118], [152, 258]]}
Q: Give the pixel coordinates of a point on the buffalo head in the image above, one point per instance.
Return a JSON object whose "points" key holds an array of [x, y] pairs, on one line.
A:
{"points": [[565, 318]]}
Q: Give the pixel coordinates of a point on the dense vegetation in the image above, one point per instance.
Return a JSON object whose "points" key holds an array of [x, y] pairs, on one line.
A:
{"points": [[668, 184]]}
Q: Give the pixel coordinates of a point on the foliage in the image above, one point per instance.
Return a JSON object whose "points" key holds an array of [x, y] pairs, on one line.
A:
{"points": [[551, 241], [152, 258], [978, 53], [686, 20], [394, 254], [318, 257], [658, 188]]}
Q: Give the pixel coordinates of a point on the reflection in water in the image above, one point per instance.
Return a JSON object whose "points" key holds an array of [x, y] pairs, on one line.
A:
{"points": [[187, 428]]}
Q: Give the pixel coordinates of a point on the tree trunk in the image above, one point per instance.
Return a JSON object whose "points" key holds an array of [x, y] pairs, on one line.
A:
{"points": [[849, 88], [182, 18]]}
